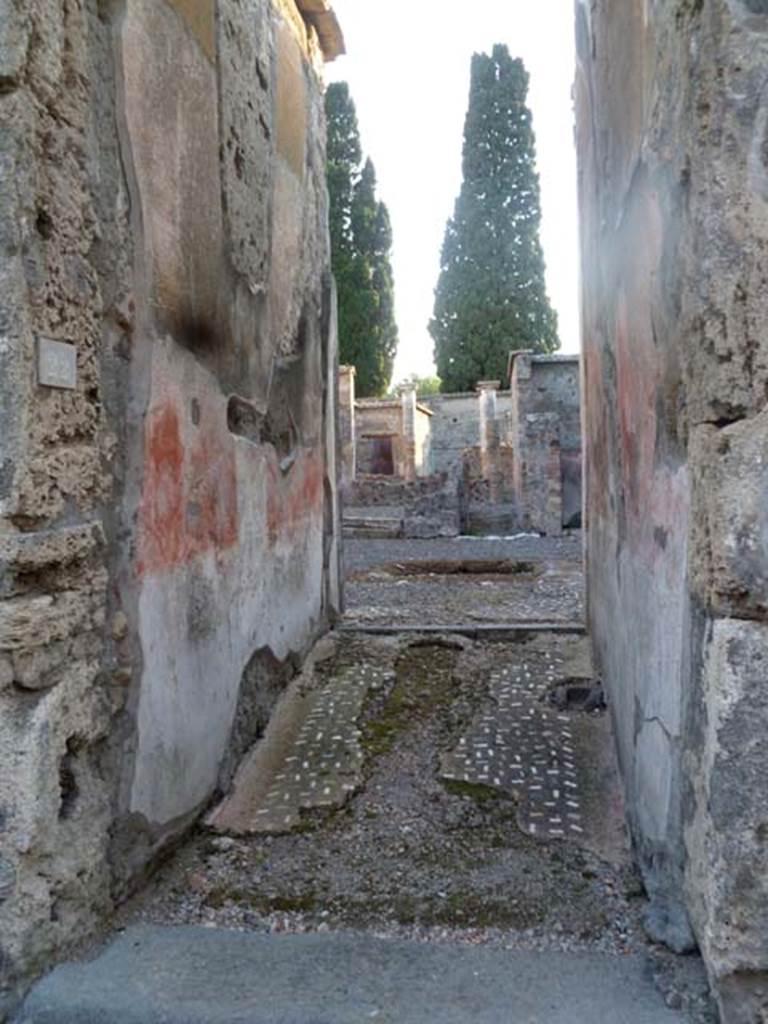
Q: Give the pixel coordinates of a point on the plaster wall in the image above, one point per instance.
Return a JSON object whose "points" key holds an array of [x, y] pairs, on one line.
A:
{"points": [[347, 432], [423, 442], [168, 527], [671, 119]]}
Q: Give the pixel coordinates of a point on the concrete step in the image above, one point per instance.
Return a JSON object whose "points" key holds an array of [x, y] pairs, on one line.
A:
{"points": [[375, 528], [374, 522], [191, 975]]}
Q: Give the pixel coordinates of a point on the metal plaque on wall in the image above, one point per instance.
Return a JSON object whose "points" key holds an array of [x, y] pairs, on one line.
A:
{"points": [[56, 364]]}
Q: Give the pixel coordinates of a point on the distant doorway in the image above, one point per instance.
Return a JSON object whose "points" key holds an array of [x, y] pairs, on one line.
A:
{"points": [[382, 458], [570, 483]]}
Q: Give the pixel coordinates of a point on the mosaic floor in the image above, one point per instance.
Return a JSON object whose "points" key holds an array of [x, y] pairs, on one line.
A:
{"points": [[520, 746], [310, 757]]}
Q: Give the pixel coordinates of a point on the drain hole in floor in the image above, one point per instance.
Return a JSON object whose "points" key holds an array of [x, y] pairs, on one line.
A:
{"points": [[577, 695]]}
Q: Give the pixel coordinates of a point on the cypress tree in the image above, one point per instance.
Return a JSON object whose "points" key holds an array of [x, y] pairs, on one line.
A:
{"points": [[384, 286], [361, 242], [343, 157], [491, 296]]}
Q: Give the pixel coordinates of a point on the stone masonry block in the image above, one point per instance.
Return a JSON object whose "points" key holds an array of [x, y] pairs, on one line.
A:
{"points": [[27, 622], [40, 668], [726, 837], [729, 553], [14, 37], [35, 550]]}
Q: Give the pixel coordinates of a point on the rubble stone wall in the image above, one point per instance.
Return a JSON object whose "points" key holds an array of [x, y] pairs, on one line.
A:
{"points": [[515, 455], [455, 426], [168, 516], [672, 113]]}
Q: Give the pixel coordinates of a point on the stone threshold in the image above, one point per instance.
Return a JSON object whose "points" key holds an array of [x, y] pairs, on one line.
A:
{"points": [[473, 631]]}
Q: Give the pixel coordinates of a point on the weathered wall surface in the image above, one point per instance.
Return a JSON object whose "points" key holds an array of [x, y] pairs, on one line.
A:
{"points": [[543, 428], [672, 114], [423, 441], [552, 387], [170, 524], [455, 426], [515, 456], [347, 434], [378, 419]]}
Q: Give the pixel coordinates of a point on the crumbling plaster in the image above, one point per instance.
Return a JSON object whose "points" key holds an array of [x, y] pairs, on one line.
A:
{"points": [[169, 528]]}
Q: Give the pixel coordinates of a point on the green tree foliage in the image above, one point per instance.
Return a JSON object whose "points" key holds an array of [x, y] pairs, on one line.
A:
{"points": [[424, 385], [361, 243], [491, 296]]}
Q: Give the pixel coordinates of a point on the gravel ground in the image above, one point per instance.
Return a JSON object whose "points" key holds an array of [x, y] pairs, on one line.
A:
{"points": [[528, 579], [551, 592]]}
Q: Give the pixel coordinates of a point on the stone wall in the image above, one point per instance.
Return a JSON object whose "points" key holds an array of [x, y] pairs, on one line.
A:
{"points": [[543, 428], [423, 441], [455, 427], [374, 419], [168, 511], [672, 115], [430, 506], [550, 385]]}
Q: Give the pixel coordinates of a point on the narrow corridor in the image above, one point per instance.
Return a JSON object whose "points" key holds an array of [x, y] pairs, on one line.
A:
{"points": [[437, 787]]}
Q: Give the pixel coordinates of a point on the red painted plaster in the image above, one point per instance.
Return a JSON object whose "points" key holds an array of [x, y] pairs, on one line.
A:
{"points": [[189, 497], [295, 497]]}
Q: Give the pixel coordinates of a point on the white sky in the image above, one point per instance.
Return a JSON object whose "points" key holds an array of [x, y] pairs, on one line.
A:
{"points": [[407, 65]]}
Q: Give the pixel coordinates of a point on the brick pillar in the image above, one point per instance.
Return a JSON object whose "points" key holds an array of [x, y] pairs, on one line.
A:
{"points": [[347, 425], [408, 450], [489, 435]]}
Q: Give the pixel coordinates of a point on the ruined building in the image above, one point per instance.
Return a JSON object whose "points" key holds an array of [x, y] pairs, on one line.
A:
{"points": [[491, 460], [168, 481], [169, 508]]}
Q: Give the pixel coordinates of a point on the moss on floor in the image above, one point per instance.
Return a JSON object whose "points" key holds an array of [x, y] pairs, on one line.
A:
{"points": [[476, 791], [424, 686]]}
